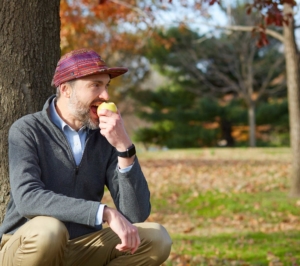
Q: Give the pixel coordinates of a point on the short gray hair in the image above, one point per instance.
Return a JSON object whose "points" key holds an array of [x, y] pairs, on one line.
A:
{"points": [[70, 82]]}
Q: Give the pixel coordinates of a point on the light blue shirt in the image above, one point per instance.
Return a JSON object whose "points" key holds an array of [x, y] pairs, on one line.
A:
{"points": [[77, 140]]}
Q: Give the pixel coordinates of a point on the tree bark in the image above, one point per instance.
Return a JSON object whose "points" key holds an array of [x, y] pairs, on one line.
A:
{"points": [[252, 125], [293, 84], [29, 41], [249, 77]]}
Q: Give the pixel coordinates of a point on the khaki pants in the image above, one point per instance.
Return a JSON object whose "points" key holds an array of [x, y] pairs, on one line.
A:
{"points": [[44, 241]]}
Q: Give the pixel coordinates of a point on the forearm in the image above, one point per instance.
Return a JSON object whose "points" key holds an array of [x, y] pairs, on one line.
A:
{"points": [[130, 193], [125, 162]]}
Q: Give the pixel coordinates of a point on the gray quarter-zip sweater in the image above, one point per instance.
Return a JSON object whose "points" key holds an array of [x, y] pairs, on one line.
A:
{"points": [[45, 180]]}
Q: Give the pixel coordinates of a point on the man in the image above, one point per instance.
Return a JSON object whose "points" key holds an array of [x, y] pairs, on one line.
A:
{"points": [[60, 159]]}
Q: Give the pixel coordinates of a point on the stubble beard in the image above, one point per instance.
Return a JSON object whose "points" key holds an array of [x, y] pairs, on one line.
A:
{"points": [[81, 112]]}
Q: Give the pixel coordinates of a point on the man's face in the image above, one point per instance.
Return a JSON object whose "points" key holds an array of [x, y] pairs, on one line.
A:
{"points": [[86, 95]]}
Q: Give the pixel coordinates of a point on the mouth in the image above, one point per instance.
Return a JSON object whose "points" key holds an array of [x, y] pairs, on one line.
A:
{"points": [[94, 108]]}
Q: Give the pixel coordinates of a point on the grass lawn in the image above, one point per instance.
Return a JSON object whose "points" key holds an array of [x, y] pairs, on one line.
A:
{"points": [[253, 248], [225, 206]]}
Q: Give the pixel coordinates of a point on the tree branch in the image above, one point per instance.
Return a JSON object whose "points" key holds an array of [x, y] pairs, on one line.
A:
{"points": [[278, 88], [267, 80], [269, 32], [136, 9]]}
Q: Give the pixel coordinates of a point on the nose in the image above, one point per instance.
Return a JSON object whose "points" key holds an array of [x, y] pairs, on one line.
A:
{"points": [[104, 95]]}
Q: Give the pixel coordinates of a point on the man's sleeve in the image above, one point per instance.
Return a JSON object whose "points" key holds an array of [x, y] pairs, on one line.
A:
{"points": [[129, 191]]}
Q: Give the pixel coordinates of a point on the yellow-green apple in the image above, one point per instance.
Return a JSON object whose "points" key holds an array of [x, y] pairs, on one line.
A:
{"points": [[109, 106]]}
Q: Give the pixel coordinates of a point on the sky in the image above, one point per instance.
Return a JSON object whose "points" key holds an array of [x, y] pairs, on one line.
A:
{"points": [[176, 13], [199, 22]]}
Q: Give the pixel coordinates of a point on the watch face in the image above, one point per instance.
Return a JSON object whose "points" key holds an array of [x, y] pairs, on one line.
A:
{"points": [[131, 151]]}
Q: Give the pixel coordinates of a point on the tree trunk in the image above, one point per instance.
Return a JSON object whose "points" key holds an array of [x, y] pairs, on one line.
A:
{"points": [[293, 84], [252, 125], [226, 132], [29, 41]]}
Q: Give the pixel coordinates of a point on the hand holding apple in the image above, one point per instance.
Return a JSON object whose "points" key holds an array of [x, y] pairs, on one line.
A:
{"points": [[112, 128]]}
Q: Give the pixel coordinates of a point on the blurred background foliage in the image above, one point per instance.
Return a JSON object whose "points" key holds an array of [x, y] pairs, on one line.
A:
{"points": [[185, 89]]}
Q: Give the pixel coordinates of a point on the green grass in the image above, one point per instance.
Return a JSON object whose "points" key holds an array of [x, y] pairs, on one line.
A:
{"points": [[243, 247], [213, 204], [251, 220], [246, 249], [242, 153]]}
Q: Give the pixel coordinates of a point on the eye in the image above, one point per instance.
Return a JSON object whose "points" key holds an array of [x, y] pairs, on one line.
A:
{"points": [[95, 85]]}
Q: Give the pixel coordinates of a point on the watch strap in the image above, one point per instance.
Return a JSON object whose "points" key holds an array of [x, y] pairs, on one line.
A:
{"points": [[130, 151]]}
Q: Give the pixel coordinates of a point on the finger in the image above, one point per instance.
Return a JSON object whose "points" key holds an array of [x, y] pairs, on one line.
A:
{"points": [[129, 241], [137, 243], [133, 240], [103, 119], [102, 112], [105, 112], [134, 246], [123, 245], [104, 124], [108, 122], [122, 248], [103, 127]]}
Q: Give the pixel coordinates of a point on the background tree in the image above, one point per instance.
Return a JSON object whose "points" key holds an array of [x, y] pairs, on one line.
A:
{"points": [[115, 26], [178, 119], [29, 40], [221, 66], [281, 14]]}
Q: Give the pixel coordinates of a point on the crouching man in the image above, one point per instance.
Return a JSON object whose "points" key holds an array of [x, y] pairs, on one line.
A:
{"points": [[60, 160]]}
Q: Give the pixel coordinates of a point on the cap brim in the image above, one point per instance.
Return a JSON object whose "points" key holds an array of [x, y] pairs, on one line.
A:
{"points": [[114, 71]]}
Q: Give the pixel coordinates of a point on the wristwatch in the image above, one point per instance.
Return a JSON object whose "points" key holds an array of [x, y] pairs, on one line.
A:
{"points": [[128, 153]]}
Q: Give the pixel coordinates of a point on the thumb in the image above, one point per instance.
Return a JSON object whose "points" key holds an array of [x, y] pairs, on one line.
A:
{"points": [[121, 247]]}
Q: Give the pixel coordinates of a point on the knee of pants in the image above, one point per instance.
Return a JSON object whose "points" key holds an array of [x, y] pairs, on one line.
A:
{"points": [[159, 239], [48, 232]]}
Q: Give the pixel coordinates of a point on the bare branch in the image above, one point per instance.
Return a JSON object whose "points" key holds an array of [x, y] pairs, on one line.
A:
{"points": [[147, 19], [186, 61], [136, 9], [226, 79], [278, 88], [267, 80], [269, 32]]}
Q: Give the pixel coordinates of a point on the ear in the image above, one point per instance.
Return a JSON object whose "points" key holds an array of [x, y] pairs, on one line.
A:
{"points": [[65, 90]]}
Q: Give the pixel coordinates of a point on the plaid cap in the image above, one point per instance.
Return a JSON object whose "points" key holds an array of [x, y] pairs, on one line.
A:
{"points": [[80, 63]]}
